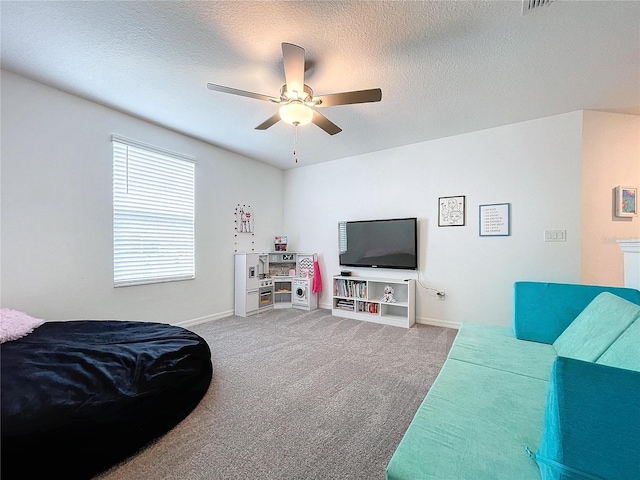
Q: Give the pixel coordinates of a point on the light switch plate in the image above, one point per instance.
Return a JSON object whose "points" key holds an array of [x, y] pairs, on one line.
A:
{"points": [[555, 235]]}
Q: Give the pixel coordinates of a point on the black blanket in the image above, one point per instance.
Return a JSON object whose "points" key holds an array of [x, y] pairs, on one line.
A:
{"points": [[80, 396]]}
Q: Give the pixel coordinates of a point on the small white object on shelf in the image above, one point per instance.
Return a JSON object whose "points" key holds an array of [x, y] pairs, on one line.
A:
{"points": [[388, 295]]}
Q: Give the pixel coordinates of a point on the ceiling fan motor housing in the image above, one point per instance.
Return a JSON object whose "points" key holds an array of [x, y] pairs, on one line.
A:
{"points": [[306, 96]]}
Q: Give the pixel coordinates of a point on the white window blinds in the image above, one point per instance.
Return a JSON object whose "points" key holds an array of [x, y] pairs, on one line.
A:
{"points": [[153, 214]]}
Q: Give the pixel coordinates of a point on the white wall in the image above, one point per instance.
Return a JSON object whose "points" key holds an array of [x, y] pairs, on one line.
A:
{"points": [[535, 166], [611, 157], [56, 225], [56, 207]]}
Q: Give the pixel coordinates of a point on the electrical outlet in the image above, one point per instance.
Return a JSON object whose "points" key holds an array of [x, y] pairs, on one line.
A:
{"points": [[555, 235]]}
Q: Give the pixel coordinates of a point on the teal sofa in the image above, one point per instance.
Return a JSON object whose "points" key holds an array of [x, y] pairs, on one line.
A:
{"points": [[555, 397]]}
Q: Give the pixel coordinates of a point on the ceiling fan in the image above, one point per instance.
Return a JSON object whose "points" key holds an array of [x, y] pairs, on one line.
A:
{"points": [[296, 100]]}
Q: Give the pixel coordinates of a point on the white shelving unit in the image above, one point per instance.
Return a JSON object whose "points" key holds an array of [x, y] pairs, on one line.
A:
{"points": [[361, 298]]}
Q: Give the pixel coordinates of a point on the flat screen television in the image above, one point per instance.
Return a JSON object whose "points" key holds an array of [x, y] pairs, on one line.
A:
{"points": [[390, 243]]}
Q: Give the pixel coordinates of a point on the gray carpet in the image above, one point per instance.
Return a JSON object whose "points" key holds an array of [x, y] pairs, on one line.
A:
{"points": [[298, 395]]}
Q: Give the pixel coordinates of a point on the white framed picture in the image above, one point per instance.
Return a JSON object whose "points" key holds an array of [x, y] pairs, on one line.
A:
{"points": [[495, 220], [626, 201]]}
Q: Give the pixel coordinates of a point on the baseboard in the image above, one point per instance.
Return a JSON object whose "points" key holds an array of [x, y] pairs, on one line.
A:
{"points": [[207, 318], [438, 323], [424, 321]]}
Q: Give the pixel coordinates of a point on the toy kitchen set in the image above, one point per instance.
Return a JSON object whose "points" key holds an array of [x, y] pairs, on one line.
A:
{"points": [[277, 279]]}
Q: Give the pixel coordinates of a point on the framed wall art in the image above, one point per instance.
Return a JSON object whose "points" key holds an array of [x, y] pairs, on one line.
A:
{"points": [[495, 220], [451, 211], [626, 201], [244, 219]]}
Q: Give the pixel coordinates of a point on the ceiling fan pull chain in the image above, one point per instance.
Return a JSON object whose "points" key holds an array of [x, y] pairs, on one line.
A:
{"points": [[295, 142]]}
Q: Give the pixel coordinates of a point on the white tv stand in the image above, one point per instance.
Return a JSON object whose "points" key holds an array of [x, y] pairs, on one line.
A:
{"points": [[361, 298]]}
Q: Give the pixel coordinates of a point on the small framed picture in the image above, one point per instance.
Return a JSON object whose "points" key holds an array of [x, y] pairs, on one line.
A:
{"points": [[495, 220], [451, 211], [626, 201]]}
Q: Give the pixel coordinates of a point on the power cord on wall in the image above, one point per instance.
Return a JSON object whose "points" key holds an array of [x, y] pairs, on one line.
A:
{"points": [[439, 293]]}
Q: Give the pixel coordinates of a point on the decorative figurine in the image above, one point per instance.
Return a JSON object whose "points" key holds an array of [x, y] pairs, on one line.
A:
{"points": [[388, 295]]}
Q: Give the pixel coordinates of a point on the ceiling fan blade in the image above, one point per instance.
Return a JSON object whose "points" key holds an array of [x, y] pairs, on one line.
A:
{"points": [[242, 93], [272, 120], [325, 124], [293, 60], [348, 98]]}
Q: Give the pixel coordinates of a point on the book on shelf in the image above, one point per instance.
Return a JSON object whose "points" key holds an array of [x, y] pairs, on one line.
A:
{"points": [[345, 304], [368, 307], [350, 288]]}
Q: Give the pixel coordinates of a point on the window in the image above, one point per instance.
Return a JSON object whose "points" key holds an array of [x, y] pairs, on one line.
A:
{"points": [[153, 214]]}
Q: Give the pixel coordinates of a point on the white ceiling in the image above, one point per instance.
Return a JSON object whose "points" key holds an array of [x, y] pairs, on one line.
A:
{"points": [[444, 67]]}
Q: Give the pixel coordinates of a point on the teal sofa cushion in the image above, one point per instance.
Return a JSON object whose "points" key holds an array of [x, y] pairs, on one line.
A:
{"points": [[625, 351], [473, 425], [495, 346], [597, 327], [542, 311], [592, 423]]}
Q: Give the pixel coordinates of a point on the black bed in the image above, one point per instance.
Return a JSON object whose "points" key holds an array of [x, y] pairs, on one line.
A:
{"points": [[80, 396]]}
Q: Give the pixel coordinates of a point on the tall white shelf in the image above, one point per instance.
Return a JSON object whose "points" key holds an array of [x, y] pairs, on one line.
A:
{"points": [[360, 298]]}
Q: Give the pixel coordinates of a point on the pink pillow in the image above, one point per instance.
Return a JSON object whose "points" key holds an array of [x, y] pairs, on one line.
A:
{"points": [[14, 324]]}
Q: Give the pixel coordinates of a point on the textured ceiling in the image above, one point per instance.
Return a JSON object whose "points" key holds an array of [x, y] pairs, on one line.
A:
{"points": [[444, 67]]}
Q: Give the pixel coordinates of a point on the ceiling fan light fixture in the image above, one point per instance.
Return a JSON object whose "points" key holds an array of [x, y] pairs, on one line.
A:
{"points": [[296, 113]]}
